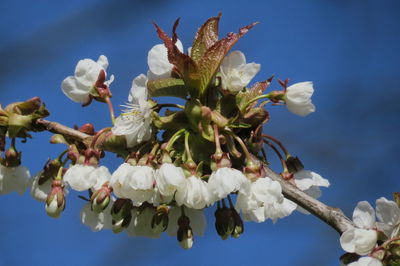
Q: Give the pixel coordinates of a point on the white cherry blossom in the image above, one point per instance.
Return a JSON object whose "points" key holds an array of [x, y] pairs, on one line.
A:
{"points": [[170, 178], [226, 180], [195, 194], [310, 182], [235, 73], [13, 179], [97, 221], [87, 71], [135, 121], [388, 214], [298, 98], [366, 261], [83, 177], [264, 200], [361, 239], [133, 182], [157, 59]]}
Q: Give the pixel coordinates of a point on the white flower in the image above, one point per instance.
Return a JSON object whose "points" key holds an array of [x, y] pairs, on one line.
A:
{"points": [[87, 71], [140, 224], [157, 59], [362, 239], [83, 177], [309, 182], [13, 179], [195, 194], [40, 192], [298, 98], [52, 208], [169, 178], [235, 73], [197, 219], [225, 181], [366, 261], [388, 214], [135, 122], [133, 182], [264, 200], [97, 221]]}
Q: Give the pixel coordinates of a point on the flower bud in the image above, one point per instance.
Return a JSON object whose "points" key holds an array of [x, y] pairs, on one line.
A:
{"points": [[185, 233], [294, 164], [121, 215], [160, 219], [55, 202], [87, 129], [239, 226], [12, 157], [224, 222], [101, 198]]}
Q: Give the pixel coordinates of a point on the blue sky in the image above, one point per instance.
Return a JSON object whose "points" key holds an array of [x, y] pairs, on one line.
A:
{"points": [[349, 49]]}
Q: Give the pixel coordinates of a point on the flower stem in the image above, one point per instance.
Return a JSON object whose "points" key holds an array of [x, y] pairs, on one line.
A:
{"points": [[217, 142], [287, 154], [98, 134], [111, 109], [174, 138], [242, 145], [187, 148], [256, 99]]}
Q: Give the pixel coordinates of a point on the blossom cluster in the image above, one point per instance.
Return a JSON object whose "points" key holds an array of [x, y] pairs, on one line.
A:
{"points": [[375, 231], [210, 152]]}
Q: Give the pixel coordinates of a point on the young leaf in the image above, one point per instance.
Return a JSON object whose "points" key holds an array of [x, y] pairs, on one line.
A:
{"points": [[167, 87], [206, 36]]}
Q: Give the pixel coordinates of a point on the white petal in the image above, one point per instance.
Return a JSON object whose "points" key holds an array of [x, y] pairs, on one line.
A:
{"points": [[357, 240], [140, 224], [157, 59], [169, 178], [225, 181], [138, 90], [366, 261], [102, 61], [195, 194], [81, 177], [101, 175], [233, 60], [387, 211], [74, 90], [364, 215], [13, 179], [298, 98], [39, 192]]}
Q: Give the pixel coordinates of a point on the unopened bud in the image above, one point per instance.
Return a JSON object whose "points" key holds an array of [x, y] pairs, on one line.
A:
{"points": [[294, 164], [121, 214], [101, 198], [224, 222], [185, 233], [55, 202], [239, 226], [160, 220]]}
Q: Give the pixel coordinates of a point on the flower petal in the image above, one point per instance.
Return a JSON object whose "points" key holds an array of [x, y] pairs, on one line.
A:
{"points": [[364, 215]]}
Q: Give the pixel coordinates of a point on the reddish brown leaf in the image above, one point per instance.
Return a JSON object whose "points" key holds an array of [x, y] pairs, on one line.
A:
{"points": [[210, 62], [206, 36]]}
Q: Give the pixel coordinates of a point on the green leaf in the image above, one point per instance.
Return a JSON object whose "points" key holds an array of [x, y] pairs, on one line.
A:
{"points": [[206, 36], [167, 87]]}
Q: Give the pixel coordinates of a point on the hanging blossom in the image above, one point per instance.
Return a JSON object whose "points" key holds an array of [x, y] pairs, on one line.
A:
{"points": [[195, 194], [264, 200], [13, 179], [40, 191], [235, 73], [226, 180], [298, 98], [310, 182], [133, 182], [83, 177], [169, 179], [362, 238], [97, 221], [135, 121], [366, 261], [79, 86]]}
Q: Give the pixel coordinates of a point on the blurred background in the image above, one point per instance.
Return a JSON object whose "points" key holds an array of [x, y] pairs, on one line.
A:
{"points": [[348, 48]]}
